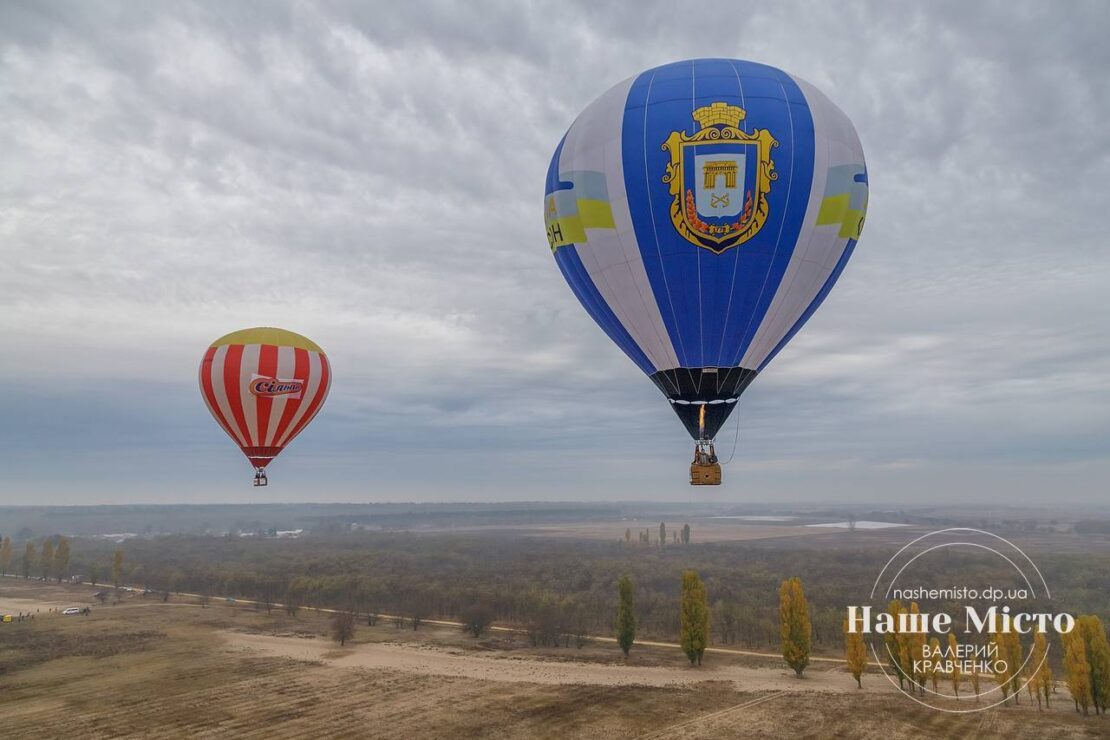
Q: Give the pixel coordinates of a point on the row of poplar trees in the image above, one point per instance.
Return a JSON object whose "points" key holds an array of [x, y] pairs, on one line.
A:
{"points": [[1086, 648], [694, 617], [53, 562], [1086, 663]]}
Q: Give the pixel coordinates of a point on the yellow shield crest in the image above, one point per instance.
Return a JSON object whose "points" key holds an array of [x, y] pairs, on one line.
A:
{"points": [[719, 178]]}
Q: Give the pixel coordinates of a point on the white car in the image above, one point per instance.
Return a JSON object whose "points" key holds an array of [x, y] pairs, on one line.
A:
{"points": [[71, 611]]}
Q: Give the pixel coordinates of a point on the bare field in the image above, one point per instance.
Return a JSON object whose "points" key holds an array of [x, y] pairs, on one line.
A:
{"points": [[705, 530], [148, 669]]}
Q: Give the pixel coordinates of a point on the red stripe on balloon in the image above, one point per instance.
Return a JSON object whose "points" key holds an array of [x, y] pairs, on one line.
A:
{"points": [[267, 367], [300, 372], [210, 393], [317, 399], [233, 362]]}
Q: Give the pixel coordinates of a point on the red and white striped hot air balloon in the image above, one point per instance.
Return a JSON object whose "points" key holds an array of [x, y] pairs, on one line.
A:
{"points": [[263, 386]]}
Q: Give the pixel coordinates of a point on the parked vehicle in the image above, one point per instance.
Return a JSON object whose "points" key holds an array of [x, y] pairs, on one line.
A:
{"points": [[71, 611]]}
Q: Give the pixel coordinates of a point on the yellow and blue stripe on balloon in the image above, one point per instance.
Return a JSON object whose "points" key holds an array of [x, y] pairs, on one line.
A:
{"points": [[569, 211], [845, 199]]}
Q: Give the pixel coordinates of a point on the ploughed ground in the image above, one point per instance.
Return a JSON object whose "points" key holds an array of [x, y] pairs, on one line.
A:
{"points": [[152, 669]]}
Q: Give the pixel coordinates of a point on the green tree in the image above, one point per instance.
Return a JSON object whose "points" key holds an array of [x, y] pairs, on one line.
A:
{"points": [[628, 536], [795, 627], [46, 560], [695, 617], [117, 567], [662, 534], [5, 555], [61, 559], [855, 653], [686, 534], [626, 615], [94, 573], [28, 559]]}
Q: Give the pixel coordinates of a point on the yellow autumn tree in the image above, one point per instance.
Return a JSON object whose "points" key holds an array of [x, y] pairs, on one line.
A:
{"points": [[1015, 657], [61, 559], [1035, 678], [915, 648], [795, 625], [955, 662], [695, 617], [1077, 670], [975, 678], [1007, 663], [46, 561], [934, 661], [893, 641], [1097, 648], [117, 567], [855, 653]]}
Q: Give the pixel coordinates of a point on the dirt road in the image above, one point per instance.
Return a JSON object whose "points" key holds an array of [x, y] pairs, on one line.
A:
{"points": [[425, 660]]}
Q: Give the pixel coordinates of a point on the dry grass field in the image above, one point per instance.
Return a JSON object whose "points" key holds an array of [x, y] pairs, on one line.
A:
{"points": [[147, 669]]}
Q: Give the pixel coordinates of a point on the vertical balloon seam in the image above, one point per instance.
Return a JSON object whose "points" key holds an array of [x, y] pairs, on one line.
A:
{"points": [[264, 405], [800, 252], [311, 386], [322, 386], [210, 394], [248, 367], [744, 338], [233, 361], [735, 252], [220, 391], [655, 228], [301, 369], [697, 252]]}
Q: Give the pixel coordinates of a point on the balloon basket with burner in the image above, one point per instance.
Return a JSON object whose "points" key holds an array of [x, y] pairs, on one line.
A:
{"points": [[705, 470], [260, 477]]}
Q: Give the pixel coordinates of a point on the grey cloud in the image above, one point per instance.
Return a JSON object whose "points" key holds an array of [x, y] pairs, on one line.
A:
{"points": [[370, 174]]}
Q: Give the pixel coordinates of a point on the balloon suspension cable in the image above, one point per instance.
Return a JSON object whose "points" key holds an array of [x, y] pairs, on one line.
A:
{"points": [[260, 477], [734, 441]]}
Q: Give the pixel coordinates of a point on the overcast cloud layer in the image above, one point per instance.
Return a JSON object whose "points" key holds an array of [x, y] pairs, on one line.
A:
{"points": [[371, 175]]}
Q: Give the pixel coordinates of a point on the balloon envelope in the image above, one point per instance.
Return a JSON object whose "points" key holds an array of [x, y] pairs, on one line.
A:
{"points": [[701, 212], [263, 386]]}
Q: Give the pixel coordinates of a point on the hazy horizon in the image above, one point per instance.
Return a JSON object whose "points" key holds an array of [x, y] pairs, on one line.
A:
{"points": [[155, 153]]}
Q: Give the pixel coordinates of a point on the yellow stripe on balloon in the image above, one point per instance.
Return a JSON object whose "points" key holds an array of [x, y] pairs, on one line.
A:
{"points": [[268, 335]]}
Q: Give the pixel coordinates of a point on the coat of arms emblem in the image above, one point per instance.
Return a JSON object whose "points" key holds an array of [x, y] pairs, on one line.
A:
{"points": [[719, 178]]}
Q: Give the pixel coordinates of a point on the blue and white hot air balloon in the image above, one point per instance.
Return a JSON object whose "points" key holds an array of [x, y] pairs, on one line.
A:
{"points": [[701, 212]]}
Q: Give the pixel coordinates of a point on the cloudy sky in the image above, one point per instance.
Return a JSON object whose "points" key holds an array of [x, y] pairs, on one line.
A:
{"points": [[371, 175]]}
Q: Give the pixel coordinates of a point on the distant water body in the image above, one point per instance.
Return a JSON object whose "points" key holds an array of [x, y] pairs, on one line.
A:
{"points": [[859, 525]]}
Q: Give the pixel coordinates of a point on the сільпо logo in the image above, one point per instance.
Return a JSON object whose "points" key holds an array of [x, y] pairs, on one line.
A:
{"points": [[267, 387]]}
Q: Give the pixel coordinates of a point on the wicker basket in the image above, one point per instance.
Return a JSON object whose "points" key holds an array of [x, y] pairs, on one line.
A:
{"points": [[708, 474]]}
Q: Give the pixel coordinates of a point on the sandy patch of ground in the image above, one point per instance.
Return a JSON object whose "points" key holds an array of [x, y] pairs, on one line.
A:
{"points": [[424, 660]]}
